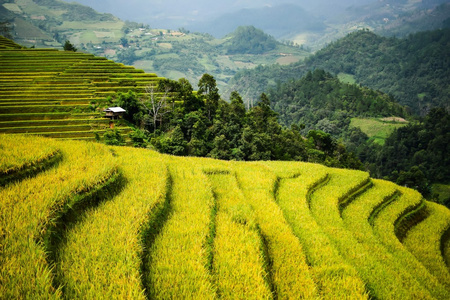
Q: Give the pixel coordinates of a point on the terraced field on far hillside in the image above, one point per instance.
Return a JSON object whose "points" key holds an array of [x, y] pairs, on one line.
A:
{"points": [[61, 94], [81, 220]]}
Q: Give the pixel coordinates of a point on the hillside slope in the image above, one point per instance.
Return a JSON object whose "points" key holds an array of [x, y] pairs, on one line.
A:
{"points": [[61, 93], [96, 221], [170, 53], [321, 101], [413, 70]]}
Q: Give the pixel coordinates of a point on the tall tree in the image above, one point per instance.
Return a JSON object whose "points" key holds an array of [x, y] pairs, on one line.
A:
{"points": [[129, 101], [157, 105], [69, 47], [207, 88], [5, 30]]}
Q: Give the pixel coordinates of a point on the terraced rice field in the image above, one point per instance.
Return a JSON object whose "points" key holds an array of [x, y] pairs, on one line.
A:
{"points": [[81, 220], [61, 93]]}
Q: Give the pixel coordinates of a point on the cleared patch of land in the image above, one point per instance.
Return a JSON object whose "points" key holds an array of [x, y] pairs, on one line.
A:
{"points": [[378, 129]]}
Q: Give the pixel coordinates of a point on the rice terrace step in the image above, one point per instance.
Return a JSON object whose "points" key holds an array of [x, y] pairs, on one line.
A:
{"points": [[86, 220], [37, 84]]}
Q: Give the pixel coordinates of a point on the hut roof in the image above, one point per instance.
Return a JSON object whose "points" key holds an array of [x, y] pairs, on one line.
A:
{"points": [[115, 109]]}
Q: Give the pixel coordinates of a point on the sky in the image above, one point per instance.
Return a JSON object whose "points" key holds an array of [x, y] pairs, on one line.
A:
{"points": [[173, 14]]}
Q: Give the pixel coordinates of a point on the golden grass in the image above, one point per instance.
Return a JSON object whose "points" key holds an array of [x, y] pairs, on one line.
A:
{"points": [[103, 252], [289, 271], [18, 152], [384, 228], [117, 222], [30, 207], [238, 255], [335, 278], [424, 241], [384, 273], [178, 255]]}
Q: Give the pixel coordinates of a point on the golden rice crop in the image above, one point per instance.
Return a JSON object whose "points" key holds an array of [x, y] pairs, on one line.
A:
{"points": [[102, 255], [384, 228], [289, 271], [424, 241], [445, 248], [29, 208], [335, 278], [383, 273], [178, 255], [18, 152], [201, 228], [238, 252]]}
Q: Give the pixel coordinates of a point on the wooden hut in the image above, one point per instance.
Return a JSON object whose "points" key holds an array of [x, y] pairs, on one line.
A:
{"points": [[114, 112]]}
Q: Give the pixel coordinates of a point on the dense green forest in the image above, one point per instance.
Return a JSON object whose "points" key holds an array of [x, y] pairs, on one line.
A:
{"points": [[249, 40], [183, 122], [321, 101], [415, 155], [414, 70]]}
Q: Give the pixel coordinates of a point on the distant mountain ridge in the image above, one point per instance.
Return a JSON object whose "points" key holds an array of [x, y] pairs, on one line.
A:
{"points": [[414, 70], [279, 21]]}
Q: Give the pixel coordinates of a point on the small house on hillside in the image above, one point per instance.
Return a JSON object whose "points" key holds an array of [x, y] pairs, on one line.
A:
{"points": [[114, 112]]}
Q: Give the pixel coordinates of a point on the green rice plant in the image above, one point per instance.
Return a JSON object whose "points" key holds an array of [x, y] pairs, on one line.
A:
{"points": [[79, 134], [424, 241], [384, 228], [45, 116], [102, 253], [30, 208], [334, 277], [49, 93], [44, 129], [288, 268], [177, 260], [238, 255], [9, 103], [58, 122], [42, 108]]}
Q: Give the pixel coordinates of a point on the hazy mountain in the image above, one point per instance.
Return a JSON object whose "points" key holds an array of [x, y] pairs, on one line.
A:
{"points": [[279, 21], [311, 22], [174, 14]]}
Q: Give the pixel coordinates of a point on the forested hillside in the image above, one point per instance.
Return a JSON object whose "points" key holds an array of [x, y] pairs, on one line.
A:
{"points": [[414, 70], [416, 155], [321, 101]]}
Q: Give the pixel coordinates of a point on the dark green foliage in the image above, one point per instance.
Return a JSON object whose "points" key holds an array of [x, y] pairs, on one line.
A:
{"points": [[207, 88], [124, 42], [414, 70], [127, 56], [322, 102], [172, 143], [203, 125], [130, 102], [113, 137], [249, 40], [138, 138], [5, 30], [69, 47], [415, 155]]}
